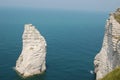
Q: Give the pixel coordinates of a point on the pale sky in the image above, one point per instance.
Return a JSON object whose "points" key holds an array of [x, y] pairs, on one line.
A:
{"points": [[84, 5]]}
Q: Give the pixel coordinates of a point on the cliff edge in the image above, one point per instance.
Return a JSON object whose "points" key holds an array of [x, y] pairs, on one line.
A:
{"points": [[32, 59], [109, 56]]}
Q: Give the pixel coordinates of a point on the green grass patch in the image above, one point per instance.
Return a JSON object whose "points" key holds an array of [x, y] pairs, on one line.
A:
{"points": [[117, 17], [114, 75]]}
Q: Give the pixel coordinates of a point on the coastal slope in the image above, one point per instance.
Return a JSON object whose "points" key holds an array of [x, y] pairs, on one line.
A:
{"points": [[32, 59], [109, 56]]}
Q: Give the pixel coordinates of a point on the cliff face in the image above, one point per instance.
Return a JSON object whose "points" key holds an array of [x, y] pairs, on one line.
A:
{"points": [[109, 56], [32, 60]]}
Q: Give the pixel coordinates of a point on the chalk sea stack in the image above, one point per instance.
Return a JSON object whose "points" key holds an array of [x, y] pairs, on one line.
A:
{"points": [[32, 59], [109, 57]]}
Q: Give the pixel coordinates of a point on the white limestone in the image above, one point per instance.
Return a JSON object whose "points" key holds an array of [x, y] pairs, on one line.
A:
{"points": [[109, 56], [32, 59]]}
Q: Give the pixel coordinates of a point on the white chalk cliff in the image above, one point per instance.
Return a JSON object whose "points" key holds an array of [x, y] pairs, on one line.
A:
{"points": [[109, 56], [32, 59]]}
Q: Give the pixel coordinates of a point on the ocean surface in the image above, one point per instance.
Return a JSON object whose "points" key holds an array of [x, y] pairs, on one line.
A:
{"points": [[73, 39]]}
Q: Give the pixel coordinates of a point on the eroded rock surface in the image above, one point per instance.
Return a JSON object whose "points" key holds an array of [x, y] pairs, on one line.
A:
{"points": [[109, 56], [32, 59]]}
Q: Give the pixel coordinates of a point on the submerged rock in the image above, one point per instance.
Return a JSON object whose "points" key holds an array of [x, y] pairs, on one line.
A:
{"points": [[109, 56], [32, 60]]}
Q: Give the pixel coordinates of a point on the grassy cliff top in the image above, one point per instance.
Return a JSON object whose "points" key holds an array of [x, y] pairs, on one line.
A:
{"points": [[114, 75], [117, 15]]}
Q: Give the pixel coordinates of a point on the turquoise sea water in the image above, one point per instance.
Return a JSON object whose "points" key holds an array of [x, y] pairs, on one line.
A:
{"points": [[73, 39]]}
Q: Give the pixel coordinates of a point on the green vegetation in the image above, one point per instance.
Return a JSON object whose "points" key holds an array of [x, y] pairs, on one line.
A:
{"points": [[114, 75], [117, 17]]}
